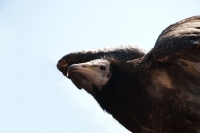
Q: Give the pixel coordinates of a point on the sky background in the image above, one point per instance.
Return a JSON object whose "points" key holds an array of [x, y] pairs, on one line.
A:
{"points": [[34, 34]]}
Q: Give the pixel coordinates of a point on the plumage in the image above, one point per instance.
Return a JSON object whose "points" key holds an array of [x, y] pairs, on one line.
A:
{"points": [[154, 92]]}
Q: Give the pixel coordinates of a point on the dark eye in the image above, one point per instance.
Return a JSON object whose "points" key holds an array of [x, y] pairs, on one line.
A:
{"points": [[102, 68]]}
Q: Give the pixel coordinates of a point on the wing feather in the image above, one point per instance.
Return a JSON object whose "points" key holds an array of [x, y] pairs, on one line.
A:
{"points": [[179, 44], [179, 41], [122, 53]]}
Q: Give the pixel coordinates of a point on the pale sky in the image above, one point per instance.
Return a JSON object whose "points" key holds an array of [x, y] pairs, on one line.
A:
{"points": [[34, 34]]}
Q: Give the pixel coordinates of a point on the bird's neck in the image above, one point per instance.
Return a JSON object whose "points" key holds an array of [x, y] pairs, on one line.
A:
{"points": [[122, 91]]}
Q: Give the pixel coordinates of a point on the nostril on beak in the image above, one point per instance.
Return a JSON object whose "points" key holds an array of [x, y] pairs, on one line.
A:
{"points": [[83, 66], [62, 64]]}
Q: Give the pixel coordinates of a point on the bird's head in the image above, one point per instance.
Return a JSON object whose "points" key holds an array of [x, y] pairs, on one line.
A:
{"points": [[86, 75], [108, 81], [101, 75]]}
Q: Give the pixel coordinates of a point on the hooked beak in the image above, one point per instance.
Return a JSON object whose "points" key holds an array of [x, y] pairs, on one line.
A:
{"points": [[76, 73], [77, 68]]}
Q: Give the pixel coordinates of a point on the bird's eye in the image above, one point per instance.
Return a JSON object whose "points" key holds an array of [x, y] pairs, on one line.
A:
{"points": [[102, 68]]}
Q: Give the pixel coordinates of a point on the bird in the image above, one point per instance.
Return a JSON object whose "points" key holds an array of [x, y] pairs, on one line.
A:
{"points": [[146, 92]]}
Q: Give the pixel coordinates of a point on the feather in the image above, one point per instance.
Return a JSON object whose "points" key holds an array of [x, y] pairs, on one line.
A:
{"points": [[154, 92]]}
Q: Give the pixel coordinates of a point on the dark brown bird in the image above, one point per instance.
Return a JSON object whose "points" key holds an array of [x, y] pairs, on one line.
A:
{"points": [[157, 92]]}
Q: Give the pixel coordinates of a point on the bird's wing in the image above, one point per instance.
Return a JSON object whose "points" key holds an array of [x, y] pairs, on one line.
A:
{"points": [[179, 45], [179, 41], [122, 53], [170, 72]]}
